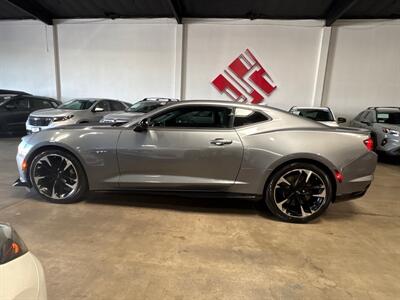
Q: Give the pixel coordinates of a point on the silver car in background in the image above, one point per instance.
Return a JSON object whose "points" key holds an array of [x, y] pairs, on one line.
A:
{"points": [[76, 111], [218, 148], [136, 110], [384, 124], [323, 115]]}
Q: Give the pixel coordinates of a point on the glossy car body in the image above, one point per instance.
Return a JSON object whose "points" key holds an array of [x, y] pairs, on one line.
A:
{"points": [[21, 276], [15, 109], [237, 158], [136, 110], [323, 115], [384, 124], [73, 112]]}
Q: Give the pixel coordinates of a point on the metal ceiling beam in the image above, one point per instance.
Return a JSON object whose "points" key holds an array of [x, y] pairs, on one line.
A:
{"points": [[338, 9], [34, 9], [174, 5]]}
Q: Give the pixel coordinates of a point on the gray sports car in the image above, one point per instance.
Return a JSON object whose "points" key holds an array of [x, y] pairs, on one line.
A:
{"points": [[206, 148]]}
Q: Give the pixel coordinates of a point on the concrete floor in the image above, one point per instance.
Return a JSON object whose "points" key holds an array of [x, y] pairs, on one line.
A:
{"points": [[127, 246]]}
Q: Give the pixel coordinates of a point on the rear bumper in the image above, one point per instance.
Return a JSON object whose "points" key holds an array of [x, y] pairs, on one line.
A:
{"points": [[358, 176]]}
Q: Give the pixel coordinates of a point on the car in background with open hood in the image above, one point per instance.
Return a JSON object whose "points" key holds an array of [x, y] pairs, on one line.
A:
{"points": [[136, 110]]}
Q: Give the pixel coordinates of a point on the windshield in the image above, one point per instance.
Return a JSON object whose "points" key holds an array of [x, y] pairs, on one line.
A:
{"points": [[388, 117], [314, 114], [77, 104], [145, 106]]}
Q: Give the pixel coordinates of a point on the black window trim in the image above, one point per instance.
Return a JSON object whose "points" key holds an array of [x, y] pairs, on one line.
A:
{"points": [[229, 128]]}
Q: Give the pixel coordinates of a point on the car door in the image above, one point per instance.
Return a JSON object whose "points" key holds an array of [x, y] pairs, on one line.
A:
{"points": [[17, 114], [184, 148]]}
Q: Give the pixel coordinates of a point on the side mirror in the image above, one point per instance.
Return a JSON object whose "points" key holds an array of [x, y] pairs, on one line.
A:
{"points": [[10, 107], [341, 120], [142, 126], [98, 109]]}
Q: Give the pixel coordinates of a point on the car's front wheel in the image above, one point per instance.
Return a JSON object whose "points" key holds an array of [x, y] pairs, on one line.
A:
{"points": [[58, 176], [299, 192]]}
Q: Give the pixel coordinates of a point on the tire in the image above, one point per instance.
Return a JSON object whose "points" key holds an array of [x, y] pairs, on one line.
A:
{"points": [[298, 192], [58, 177]]}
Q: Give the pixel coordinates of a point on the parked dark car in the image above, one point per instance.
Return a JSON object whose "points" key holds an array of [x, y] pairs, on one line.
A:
{"points": [[12, 93], [15, 109]]}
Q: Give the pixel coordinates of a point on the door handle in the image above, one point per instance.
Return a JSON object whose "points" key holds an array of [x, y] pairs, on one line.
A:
{"points": [[220, 142]]}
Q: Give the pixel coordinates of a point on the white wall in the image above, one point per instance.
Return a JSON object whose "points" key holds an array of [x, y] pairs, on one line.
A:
{"points": [[288, 50], [27, 57], [124, 60], [132, 59], [364, 66]]}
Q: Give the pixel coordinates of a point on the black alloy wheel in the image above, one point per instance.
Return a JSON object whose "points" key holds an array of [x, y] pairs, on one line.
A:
{"points": [[299, 192], [58, 177]]}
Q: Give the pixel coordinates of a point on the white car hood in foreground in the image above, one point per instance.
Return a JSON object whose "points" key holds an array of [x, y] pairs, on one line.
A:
{"points": [[22, 279]]}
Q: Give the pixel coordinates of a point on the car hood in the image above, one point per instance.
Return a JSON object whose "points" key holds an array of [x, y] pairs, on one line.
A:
{"points": [[123, 115], [55, 112]]}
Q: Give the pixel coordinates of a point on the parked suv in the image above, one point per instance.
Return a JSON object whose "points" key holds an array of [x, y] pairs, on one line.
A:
{"points": [[15, 109], [73, 112], [384, 124], [139, 108], [323, 115]]}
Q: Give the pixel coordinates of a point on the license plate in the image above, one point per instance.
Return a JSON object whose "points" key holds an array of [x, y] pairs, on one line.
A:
{"points": [[36, 129]]}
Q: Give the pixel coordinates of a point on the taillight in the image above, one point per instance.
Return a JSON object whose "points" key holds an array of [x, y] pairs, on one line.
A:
{"points": [[11, 245], [369, 143]]}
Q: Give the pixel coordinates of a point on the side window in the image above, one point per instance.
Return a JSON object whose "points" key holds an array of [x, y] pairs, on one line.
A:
{"points": [[104, 105], [370, 117], [20, 104], [247, 117], [358, 118], [116, 106], [40, 103], [363, 116], [194, 117]]}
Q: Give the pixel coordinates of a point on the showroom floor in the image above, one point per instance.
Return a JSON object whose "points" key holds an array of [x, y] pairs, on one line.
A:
{"points": [[127, 246]]}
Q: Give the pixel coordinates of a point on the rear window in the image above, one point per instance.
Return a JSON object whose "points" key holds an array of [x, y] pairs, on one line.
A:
{"points": [[314, 114], [247, 116], [388, 117]]}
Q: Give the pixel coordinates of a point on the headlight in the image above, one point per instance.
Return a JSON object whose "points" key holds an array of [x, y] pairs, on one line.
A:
{"points": [[391, 131], [107, 121], [11, 245], [65, 118]]}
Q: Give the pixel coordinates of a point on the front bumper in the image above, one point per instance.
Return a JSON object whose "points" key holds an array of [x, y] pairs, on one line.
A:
{"points": [[389, 146]]}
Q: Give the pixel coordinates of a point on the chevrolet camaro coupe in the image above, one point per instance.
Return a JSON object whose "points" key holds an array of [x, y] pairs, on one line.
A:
{"points": [[217, 148]]}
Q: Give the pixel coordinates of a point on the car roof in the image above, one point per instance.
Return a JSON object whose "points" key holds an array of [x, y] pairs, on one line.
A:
{"points": [[159, 99], [388, 108], [12, 92], [312, 107]]}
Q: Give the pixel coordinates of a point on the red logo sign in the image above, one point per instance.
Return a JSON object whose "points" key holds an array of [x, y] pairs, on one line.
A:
{"points": [[245, 80]]}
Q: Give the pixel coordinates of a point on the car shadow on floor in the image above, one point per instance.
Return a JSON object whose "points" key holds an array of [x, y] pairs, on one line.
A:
{"points": [[181, 203]]}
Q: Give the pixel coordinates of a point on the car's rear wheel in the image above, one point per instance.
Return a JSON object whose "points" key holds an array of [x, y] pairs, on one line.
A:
{"points": [[58, 176], [299, 192]]}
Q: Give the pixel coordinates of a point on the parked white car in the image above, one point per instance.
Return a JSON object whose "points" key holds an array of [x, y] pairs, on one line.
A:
{"points": [[323, 115], [21, 274], [77, 111]]}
